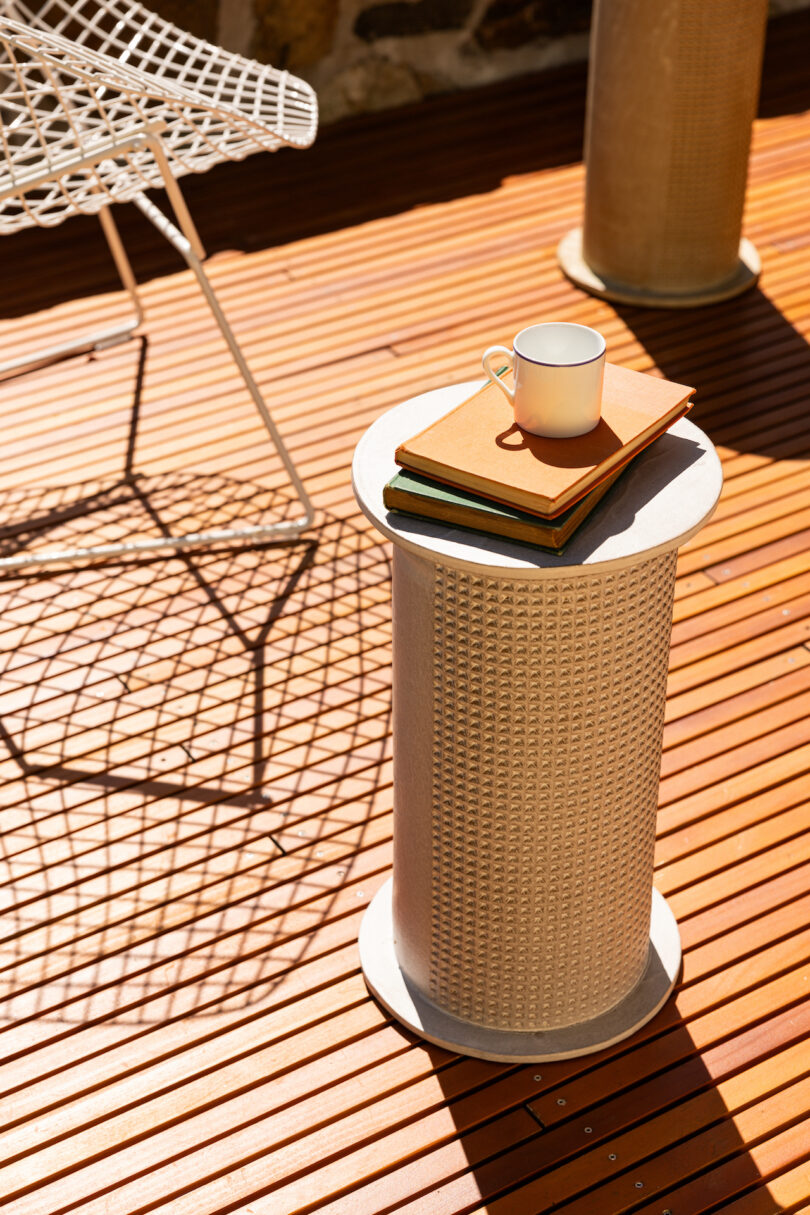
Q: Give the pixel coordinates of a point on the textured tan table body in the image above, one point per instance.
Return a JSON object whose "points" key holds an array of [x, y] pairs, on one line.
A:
{"points": [[672, 94], [528, 718]]}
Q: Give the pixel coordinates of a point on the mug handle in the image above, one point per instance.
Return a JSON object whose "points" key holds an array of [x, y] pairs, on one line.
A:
{"points": [[503, 353]]}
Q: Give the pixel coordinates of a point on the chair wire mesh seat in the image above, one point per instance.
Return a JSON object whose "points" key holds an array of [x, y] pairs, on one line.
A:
{"points": [[102, 100]]}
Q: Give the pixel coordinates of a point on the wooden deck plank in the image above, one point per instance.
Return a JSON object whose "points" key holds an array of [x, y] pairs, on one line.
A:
{"points": [[709, 728]]}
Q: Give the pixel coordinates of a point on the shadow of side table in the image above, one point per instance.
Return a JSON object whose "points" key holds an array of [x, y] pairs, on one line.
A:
{"points": [[521, 922]]}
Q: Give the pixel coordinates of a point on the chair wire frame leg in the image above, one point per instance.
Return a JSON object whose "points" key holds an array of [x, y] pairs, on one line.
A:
{"points": [[103, 338], [185, 239]]}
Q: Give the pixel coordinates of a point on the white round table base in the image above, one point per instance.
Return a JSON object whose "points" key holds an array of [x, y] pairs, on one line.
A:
{"points": [[390, 986], [573, 264]]}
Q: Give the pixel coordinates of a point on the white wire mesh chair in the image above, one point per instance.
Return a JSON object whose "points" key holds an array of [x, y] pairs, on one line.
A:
{"points": [[101, 100]]}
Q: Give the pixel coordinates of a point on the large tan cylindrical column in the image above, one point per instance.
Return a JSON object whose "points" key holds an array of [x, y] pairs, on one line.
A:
{"points": [[672, 94], [529, 688]]}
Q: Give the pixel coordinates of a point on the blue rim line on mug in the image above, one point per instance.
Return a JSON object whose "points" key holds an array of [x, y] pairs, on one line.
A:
{"points": [[573, 324]]}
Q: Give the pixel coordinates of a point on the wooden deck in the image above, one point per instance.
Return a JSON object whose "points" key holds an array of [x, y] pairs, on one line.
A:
{"points": [[195, 753]]}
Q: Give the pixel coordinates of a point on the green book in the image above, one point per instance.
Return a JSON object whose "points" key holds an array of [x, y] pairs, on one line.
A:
{"points": [[412, 494]]}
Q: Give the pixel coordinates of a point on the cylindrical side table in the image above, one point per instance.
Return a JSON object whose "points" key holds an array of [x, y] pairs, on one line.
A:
{"points": [[672, 94], [521, 921]]}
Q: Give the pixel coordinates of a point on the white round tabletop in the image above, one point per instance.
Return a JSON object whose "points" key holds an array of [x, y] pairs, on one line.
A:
{"points": [[666, 495]]}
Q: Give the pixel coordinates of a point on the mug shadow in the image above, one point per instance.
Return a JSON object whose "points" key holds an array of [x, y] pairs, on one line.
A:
{"points": [[557, 452]]}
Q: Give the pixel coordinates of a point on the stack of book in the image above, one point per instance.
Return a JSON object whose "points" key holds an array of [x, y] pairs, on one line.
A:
{"points": [[475, 468]]}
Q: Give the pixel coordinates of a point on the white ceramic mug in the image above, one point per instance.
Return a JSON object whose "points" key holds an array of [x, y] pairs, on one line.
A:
{"points": [[558, 378]]}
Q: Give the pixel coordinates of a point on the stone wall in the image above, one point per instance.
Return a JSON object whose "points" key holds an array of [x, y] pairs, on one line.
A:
{"points": [[371, 54]]}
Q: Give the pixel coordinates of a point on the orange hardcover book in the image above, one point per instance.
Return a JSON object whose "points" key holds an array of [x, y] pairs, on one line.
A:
{"points": [[479, 447]]}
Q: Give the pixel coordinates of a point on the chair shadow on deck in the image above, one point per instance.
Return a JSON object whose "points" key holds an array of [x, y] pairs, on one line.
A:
{"points": [[171, 731]]}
